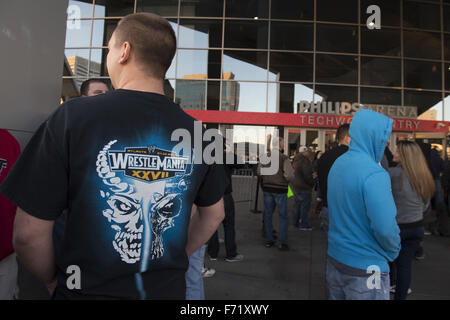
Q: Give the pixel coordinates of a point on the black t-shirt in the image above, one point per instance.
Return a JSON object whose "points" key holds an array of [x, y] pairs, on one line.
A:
{"points": [[323, 168], [109, 160]]}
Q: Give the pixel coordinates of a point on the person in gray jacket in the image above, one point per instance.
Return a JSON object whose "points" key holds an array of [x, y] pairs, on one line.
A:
{"points": [[412, 188], [302, 186], [275, 189]]}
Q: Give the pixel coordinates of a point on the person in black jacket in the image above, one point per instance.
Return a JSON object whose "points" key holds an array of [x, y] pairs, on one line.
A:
{"points": [[228, 222], [325, 164]]}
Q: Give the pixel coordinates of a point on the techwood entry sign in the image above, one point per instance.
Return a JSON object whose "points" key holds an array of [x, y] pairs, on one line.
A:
{"points": [[307, 120]]}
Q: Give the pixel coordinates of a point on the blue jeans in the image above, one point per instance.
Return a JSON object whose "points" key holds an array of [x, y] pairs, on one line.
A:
{"points": [[403, 264], [194, 276], [302, 207], [270, 201], [342, 286]]}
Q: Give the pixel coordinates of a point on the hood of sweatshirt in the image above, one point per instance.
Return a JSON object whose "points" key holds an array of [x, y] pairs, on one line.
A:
{"points": [[369, 132]]}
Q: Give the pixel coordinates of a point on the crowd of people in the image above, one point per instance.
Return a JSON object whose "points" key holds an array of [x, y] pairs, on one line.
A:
{"points": [[80, 198]]}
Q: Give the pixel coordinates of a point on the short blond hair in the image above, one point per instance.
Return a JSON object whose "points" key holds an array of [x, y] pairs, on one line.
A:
{"points": [[152, 41]]}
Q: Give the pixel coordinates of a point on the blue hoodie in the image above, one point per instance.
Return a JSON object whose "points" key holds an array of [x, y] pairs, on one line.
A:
{"points": [[363, 230]]}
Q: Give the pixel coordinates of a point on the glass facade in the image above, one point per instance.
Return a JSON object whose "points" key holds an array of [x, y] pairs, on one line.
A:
{"points": [[267, 55]]}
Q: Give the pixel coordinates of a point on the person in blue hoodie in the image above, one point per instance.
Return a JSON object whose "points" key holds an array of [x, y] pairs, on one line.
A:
{"points": [[363, 232]]}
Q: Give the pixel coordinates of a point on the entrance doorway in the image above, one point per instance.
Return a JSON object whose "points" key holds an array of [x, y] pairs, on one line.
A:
{"points": [[296, 137]]}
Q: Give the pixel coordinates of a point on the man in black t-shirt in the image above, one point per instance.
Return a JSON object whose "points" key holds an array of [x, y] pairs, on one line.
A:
{"points": [[110, 162], [326, 162]]}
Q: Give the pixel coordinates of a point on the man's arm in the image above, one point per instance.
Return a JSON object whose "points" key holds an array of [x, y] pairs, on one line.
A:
{"points": [[381, 211], [33, 242], [204, 222]]}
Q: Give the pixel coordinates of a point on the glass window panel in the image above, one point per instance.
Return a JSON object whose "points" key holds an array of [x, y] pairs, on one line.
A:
{"points": [[289, 66], [447, 76], [337, 38], [447, 46], [336, 69], [285, 36], [190, 94], [381, 71], [200, 33], [113, 8], [78, 33], [422, 74], [247, 9], [390, 11], [446, 13], [201, 8], [245, 65], [293, 9], [381, 96], [345, 11], [169, 88], [171, 71], [386, 42], [214, 64], [421, 15], [213, 92], [192, 64], [423, 100], [246, 34], [244, 96], [79, 9], [284, 97], [77, 60], [335, 93], [165, 8], [97, 66], [421, 44]]}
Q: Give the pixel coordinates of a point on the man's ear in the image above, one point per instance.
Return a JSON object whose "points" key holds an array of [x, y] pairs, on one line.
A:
{"points": [[125, 53]]}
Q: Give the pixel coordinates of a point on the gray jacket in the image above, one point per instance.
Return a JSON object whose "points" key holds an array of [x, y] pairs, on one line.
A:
{"points": [[410, 207], [303, 173], [284, 174]]}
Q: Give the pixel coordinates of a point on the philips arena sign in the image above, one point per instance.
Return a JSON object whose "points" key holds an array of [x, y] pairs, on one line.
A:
{"points": [[349, 109]]}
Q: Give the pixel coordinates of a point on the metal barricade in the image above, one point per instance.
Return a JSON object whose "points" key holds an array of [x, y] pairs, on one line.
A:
{"points": [[244, 185]]}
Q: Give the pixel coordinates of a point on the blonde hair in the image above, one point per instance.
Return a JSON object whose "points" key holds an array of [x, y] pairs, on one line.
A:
{"points": [[416, 168]]}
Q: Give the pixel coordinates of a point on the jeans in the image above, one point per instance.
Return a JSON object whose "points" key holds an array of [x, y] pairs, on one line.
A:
{"points": [[302, 207], [410, 241], [194, 276], [342, 286], [228, 227], [270, 201]]}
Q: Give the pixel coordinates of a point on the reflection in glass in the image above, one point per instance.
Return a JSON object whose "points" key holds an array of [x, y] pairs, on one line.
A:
{"points": [[244, 96], [97, 67], [422, 44], [201, 8], [245, 65], [213, 91], [293, 9], [192, 64], [200, 34], [346, 11], [285, 36], [78, 64], [381, 96], [246, 34], [79, 9], [286, 66], [423, 100], [190, 94], [381, 71], [336, 69], [247, 9], [335, 93], [78, 33], [165, 8], [113, 8], [422, 74], [337, 38], [284, 97], [390, 11], [421, 15], [384, 42]]}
